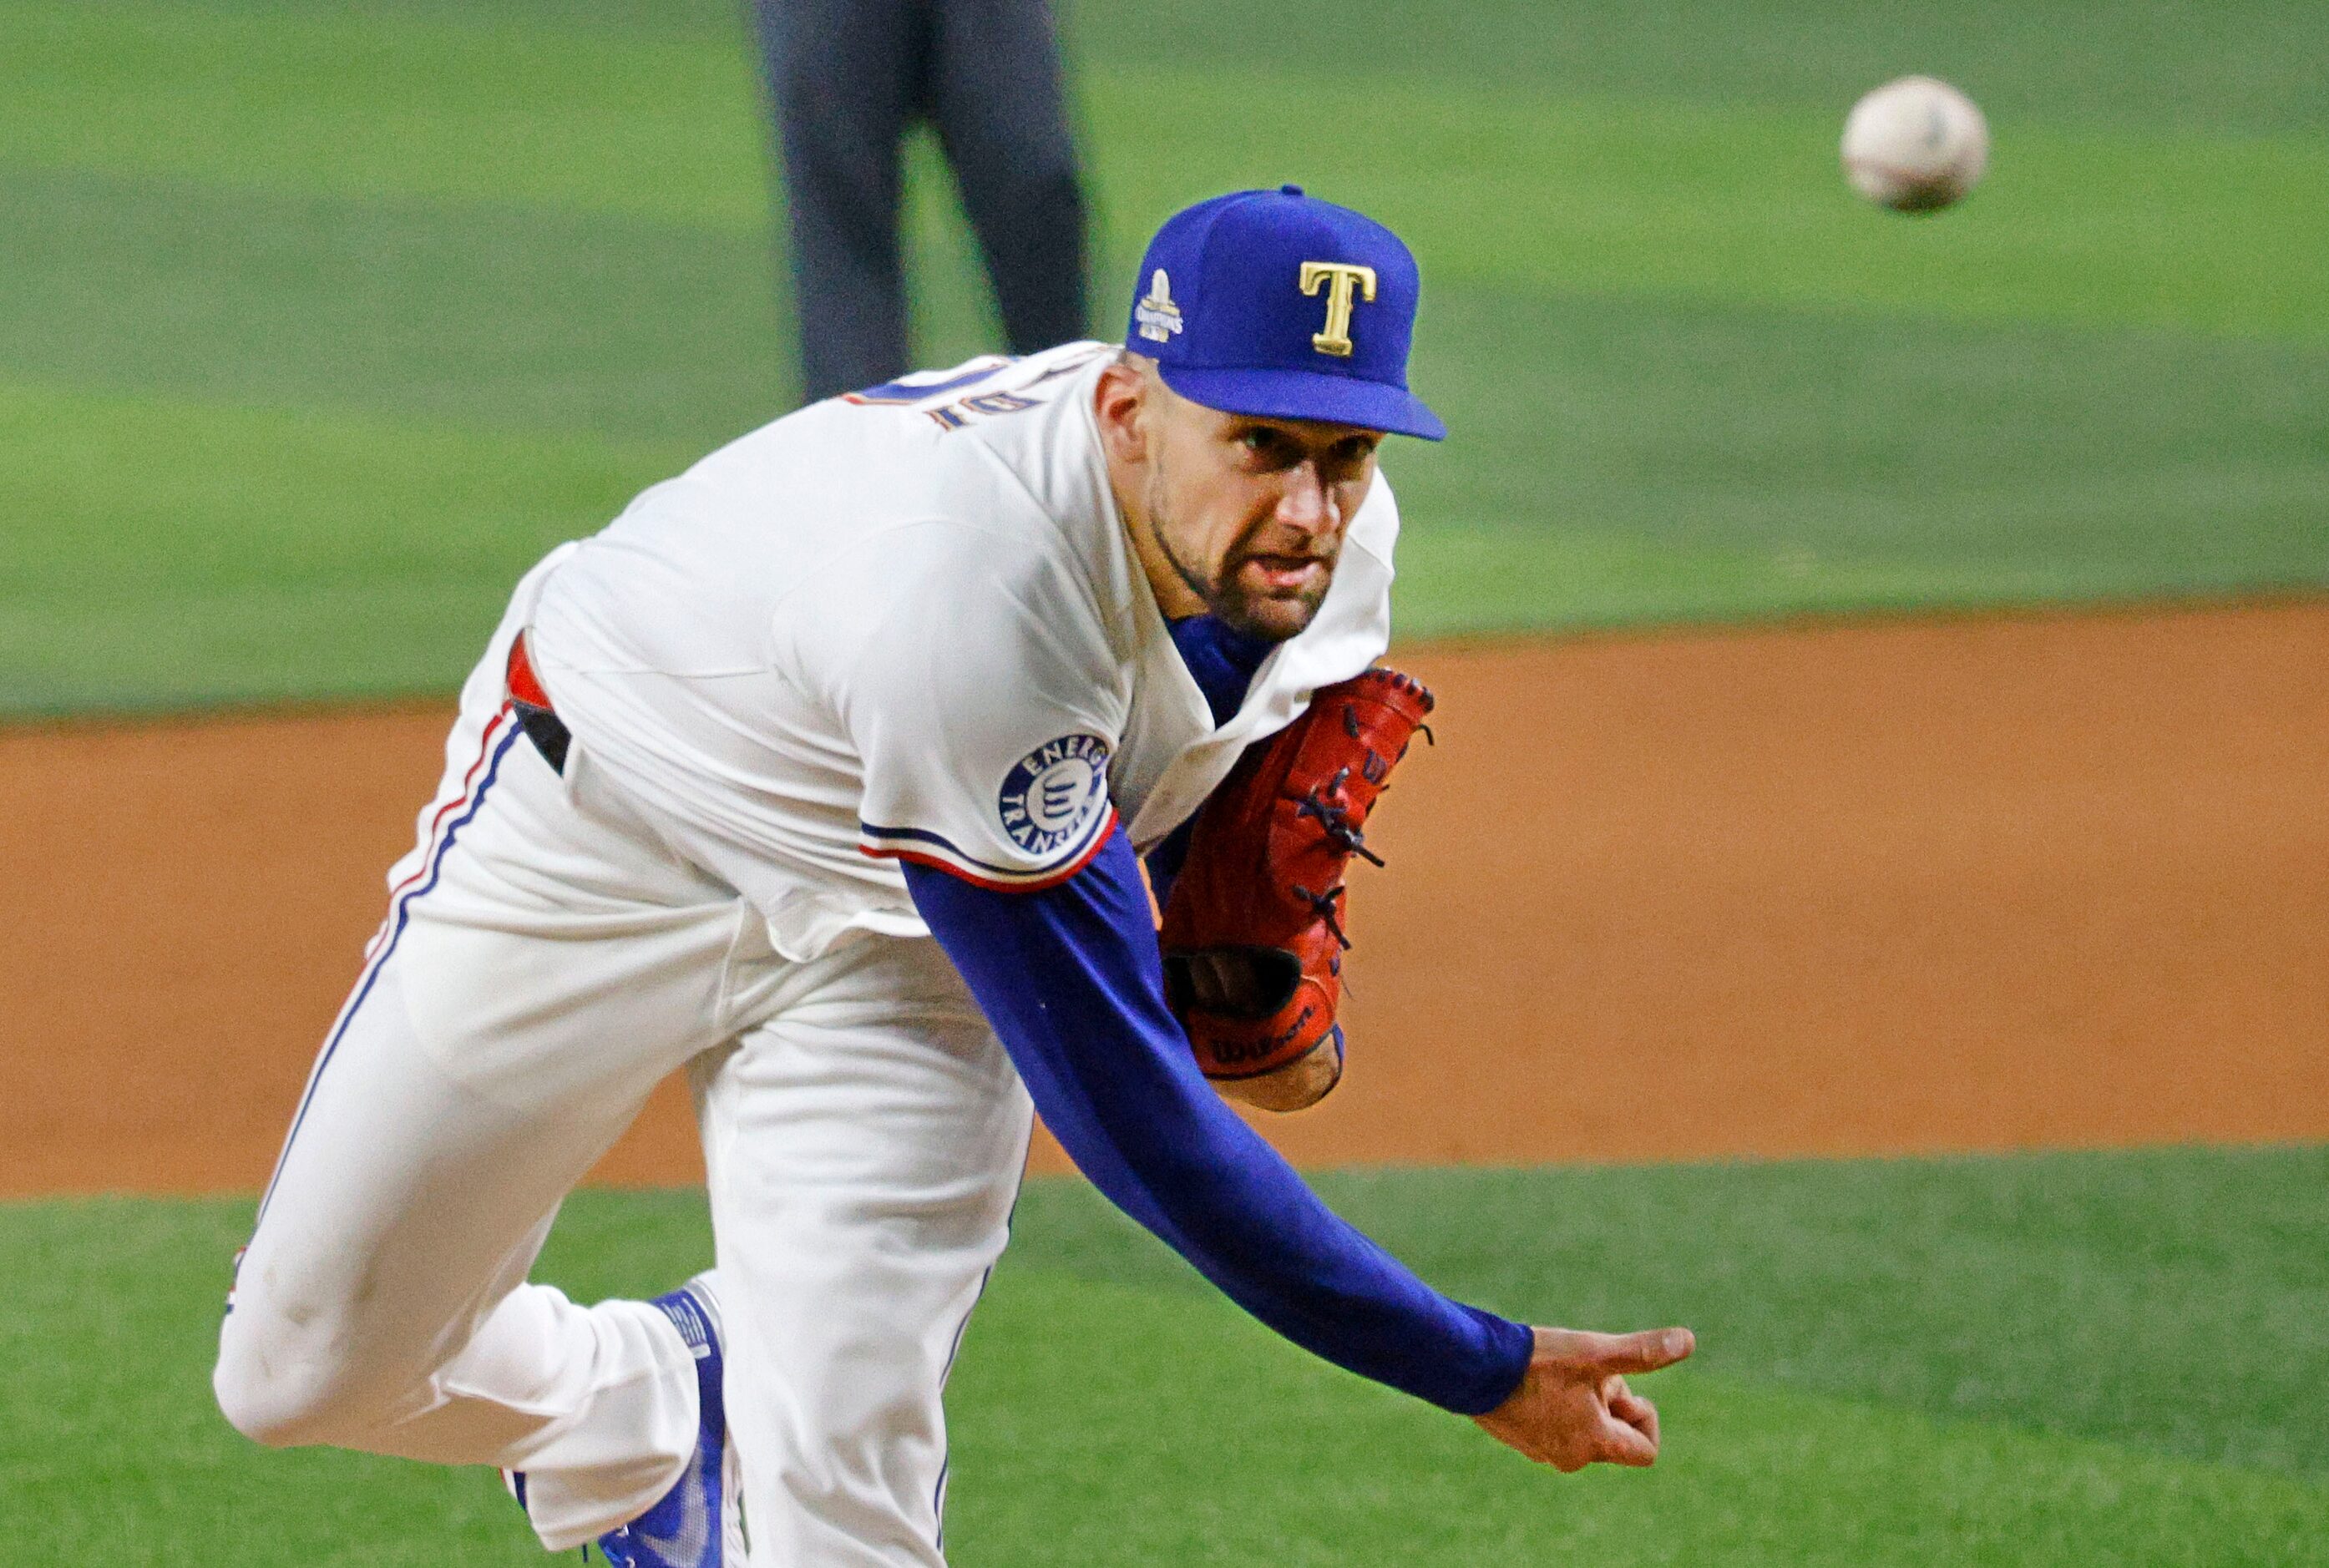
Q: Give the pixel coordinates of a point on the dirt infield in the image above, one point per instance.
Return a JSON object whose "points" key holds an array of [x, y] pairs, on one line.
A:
{"points": [[1938, 885]]}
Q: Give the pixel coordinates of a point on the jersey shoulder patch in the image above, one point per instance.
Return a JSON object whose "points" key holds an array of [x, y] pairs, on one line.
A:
{"points": [[1050, 797], [1053, 806]]}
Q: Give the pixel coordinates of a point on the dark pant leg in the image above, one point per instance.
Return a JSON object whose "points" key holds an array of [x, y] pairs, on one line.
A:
{"points": [[846, 76], [1001, 110]]}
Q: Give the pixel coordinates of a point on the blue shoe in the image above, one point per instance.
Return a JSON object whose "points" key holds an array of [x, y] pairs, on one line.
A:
{"points": [[685, 1528]]}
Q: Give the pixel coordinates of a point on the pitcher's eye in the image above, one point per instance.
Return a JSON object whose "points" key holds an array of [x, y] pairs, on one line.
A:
{"points": [[1263, 441]]}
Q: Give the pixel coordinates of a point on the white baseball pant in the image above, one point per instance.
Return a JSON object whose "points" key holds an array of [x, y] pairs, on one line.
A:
{"points": [[545, 961]]}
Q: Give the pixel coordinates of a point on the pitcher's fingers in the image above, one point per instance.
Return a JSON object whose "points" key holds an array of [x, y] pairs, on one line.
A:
{"points": [[1632, 1409], [1645, 1351], [1622, 1444]]}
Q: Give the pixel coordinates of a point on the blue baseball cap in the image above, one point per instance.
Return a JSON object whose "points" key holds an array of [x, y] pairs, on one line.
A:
{"points": [[1275, 304]]}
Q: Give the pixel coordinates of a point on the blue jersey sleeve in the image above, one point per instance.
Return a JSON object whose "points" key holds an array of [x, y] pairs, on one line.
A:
{"points": [[1071, 980]]}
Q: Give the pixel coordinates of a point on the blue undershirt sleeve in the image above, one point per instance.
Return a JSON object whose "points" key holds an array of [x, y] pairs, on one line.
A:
{"points": [[1071, 980], [1223, 661]]}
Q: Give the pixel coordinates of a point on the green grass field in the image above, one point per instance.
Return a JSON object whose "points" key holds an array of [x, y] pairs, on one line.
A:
{"points": [[320, 319], [2062, 1359]]}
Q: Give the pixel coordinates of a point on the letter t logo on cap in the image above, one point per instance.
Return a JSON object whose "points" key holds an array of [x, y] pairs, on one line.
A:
{"points": [[1338, 278]]}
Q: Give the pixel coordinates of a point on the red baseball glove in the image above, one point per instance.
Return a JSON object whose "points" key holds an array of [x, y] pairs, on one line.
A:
{"points": [[1254, 927]]}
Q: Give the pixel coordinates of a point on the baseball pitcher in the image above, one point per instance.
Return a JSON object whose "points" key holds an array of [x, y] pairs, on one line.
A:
{"points": [[827, 772]]}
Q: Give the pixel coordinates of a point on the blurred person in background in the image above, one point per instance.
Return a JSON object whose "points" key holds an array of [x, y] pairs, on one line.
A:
{"points": [[849, 79]]}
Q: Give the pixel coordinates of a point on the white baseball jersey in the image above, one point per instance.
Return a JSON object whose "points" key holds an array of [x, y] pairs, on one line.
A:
{"points": [[909, 625]]}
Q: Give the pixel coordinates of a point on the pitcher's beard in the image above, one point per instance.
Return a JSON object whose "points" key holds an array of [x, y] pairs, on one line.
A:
{"points": [[1273, 618]]}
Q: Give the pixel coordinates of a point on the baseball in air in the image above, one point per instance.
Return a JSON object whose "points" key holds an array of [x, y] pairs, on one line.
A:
{"points": [[1915, 146]]}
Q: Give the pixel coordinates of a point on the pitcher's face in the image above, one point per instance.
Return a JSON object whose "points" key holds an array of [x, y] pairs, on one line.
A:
{"points": [[1251, 512]]}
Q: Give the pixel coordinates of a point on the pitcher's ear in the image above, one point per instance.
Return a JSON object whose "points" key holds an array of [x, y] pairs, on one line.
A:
{"points": [[1120, 398]]}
